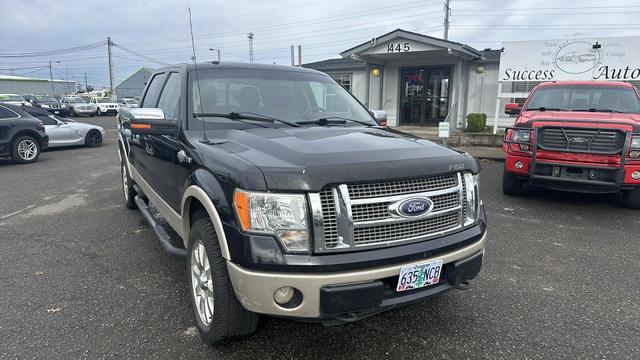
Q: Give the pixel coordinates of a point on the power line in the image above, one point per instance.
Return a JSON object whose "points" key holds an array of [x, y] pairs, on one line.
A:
{"points": [[132, 52], [55, 52]]}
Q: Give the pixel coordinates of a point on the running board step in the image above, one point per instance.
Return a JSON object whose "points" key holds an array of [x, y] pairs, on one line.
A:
{"points": [[161, 234]]}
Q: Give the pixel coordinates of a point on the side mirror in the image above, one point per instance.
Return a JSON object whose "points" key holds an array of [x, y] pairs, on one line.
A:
{"points": [[512, 109], [380, 116], [149, 121]]}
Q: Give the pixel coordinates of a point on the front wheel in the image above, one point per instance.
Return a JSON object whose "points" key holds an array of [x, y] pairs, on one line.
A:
{"points": [[93, 138], [631, 199], [511, 185], [219, 315], [25, 150], [98, 112]]}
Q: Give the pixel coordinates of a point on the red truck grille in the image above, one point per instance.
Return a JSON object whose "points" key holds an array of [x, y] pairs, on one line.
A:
{"points": [[604, 141]]}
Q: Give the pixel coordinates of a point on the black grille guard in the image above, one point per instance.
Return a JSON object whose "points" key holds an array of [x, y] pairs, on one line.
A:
{"points": [[534, 151]]}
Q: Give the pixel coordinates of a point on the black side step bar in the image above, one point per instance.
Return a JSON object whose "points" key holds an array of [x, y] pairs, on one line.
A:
{"points": [[163, 237]]}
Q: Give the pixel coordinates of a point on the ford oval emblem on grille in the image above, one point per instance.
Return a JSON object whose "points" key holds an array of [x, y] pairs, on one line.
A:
{"points": [[414, 207], [579, 140]]}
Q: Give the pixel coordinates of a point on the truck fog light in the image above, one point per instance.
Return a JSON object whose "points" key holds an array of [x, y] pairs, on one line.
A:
{"points": [[283, 295], [524, 147], [635, 175], [518, 165], [634, 153]]}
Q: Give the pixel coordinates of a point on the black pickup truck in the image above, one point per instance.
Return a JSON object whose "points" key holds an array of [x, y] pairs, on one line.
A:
{"points": [[288, 199]]}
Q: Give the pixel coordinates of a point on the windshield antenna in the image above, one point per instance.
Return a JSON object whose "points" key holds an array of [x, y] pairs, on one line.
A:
{"points": [[204, 140]]}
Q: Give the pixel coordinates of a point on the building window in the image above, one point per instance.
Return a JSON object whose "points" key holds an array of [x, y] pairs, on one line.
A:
{"points": [[343, 79]]}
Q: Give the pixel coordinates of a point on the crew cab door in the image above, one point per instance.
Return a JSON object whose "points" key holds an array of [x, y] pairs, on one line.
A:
{"points": [[155, 157]]}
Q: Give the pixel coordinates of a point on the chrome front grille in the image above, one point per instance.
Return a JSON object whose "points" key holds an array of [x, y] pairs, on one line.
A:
{"points": [[400, 187], [355, 216], [581, 140]]}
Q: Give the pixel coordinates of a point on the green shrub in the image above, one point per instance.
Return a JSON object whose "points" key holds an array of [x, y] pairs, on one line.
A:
{"points": [[476, 122]]}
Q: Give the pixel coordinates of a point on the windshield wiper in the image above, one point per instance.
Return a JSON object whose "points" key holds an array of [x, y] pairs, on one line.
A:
{"points": [[245, 116], [331, 120], [544, 108], [599, 110]]}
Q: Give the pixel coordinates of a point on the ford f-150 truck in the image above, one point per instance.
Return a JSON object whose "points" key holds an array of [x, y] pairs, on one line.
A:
{"points": [[576, 136], [289, 199]]}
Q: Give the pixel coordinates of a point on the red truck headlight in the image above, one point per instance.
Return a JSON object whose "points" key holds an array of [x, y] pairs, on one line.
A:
{"points": [[635, 147], [522, 138]]}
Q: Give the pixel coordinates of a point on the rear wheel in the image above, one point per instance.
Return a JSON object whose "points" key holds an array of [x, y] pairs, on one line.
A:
{"points": [[219, 315], [93, 138], [631, 199], [25, 149], [127, 187], [511, 185], [98, 112]]}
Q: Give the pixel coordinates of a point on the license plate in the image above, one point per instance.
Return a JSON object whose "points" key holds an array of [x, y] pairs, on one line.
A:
{"points": [[419, 275]]}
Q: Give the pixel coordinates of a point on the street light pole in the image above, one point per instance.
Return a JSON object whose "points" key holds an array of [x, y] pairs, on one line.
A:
{"points": [[51, 78]]}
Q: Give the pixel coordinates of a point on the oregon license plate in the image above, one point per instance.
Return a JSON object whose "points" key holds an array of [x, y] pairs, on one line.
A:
{"points": [[419, 275]]}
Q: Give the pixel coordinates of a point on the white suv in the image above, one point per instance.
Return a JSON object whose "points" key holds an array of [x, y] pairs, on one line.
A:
{"points": [[105, 105]]}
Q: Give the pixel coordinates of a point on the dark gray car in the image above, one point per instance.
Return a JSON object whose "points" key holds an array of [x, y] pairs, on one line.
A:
{"points": [[22, 136]]}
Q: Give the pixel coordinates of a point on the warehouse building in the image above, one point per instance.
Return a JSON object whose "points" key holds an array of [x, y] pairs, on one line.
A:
{"points": [[10, 84], [134, 84]]}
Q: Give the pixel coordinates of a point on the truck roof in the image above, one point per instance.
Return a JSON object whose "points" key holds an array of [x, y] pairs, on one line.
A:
{"points": [[587, 83], [240, 65]]}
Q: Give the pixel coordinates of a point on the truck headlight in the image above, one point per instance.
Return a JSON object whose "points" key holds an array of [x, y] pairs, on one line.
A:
{"points": [[472, 187], [635, 143], [521, 136], [282, 215]]}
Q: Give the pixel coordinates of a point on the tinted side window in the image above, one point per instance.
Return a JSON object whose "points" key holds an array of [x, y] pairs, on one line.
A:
{"points": [[151, 96], [170, 98], [47, 120], [6, 113]]}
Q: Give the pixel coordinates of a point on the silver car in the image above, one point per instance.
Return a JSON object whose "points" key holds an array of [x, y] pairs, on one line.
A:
{"points": [[66, 132]]}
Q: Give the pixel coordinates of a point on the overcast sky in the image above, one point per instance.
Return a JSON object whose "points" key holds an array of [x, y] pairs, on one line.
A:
{"points": [[160, 29]]}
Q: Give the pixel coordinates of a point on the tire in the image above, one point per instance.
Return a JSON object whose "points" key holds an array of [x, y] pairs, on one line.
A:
{"points": [[98, 112], [127, 187], [25, 149], [227, 316], [93, 138], [511, 185], [631, 199], [92, 114]]}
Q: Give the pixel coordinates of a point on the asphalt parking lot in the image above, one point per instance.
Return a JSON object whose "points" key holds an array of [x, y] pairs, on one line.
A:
{"points": [[83, 277]]}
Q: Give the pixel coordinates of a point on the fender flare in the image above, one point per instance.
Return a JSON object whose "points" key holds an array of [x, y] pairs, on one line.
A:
{"points": [[195, 192]]}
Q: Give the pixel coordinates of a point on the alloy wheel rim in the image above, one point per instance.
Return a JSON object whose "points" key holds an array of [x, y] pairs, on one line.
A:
{"points": [[93, 138], [27, 149], [125, 183], [202, 282]]}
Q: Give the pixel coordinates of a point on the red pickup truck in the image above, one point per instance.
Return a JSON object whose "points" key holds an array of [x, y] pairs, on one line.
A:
{"points": [[576, 136]]}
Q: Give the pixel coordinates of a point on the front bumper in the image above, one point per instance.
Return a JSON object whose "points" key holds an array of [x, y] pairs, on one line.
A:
{"points": [[353, 293], [108, 110], [56, 111], [84, 111]]}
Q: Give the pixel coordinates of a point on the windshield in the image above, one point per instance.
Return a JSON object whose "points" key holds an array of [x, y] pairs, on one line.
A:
{"points": [[104, 100], [77, 101], [11, 98], [585, 98], [46, 98], [287, 95]]}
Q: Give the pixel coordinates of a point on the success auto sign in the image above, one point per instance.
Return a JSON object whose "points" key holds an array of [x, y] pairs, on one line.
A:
{"points": [[584, 59]]}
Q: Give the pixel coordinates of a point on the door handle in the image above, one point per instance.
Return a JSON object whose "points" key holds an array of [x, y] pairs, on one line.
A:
{"points": [[183, 158]]}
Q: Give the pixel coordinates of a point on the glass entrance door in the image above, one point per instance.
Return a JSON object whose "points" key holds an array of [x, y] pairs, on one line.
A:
{"points": [[424, 96]]}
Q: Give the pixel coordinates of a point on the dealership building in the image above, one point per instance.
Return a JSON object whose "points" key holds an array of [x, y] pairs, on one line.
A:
{"points": [[421, 80]]}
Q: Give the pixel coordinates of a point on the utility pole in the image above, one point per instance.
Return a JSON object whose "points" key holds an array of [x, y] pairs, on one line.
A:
{"points": [[212, 49], [109, 45], [85, 83], [250, 36], [51, 78], [447, 12], [293, 58], [299, 55]]}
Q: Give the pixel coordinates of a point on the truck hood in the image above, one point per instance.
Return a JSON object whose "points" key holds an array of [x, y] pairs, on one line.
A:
{"points": [[309, 158], [528, 117]]}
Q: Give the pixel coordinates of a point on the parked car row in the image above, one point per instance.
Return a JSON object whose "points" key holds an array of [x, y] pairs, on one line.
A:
{"points": [[72, 105], [26, 131]]}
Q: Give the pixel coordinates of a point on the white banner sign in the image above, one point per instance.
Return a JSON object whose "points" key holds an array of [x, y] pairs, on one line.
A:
{"points": [[612, 59]]}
